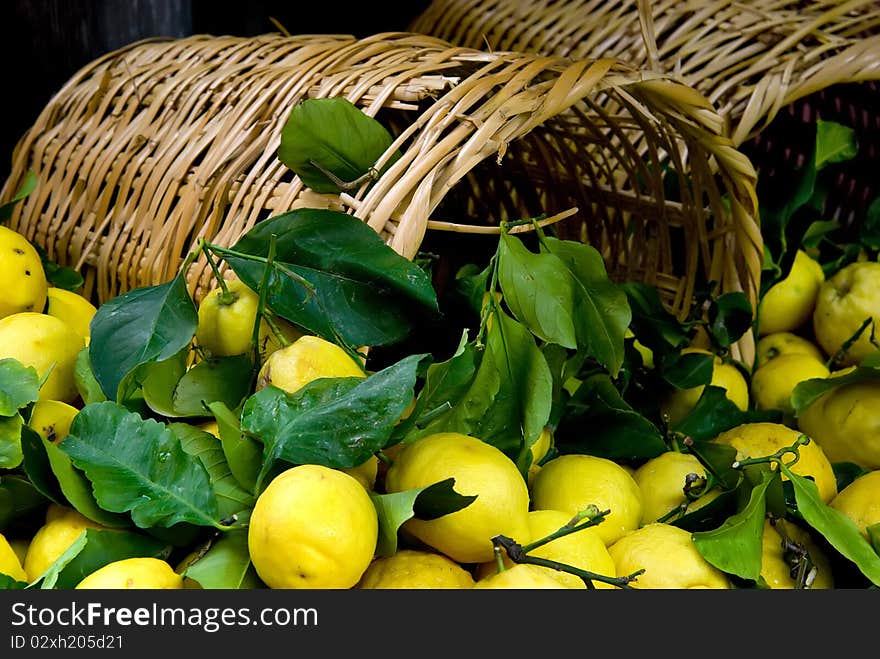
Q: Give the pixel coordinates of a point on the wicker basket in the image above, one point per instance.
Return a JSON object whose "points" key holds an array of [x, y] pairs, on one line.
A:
{"points": [[158, 144]]}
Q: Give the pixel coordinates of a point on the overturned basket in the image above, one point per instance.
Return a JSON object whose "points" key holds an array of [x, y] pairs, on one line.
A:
{"points": [[156, 145]]}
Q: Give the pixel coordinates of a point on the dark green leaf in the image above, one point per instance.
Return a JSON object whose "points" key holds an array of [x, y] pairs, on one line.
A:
{"points": [[157, 381], [869, 230], [688, 370], [78, 490], [27, 186], [335, 422], [19, 499], [36, 466], [846, 472], [231, 498], [471, 285], [8, 583], [144, 325], [809, 391], [651, 323], [87, 385], [715, 412], [19, 386], [735, 546], [243, 454], [224, 380], [336, 135], [730, 316], [709, 515], [440, 499], [601, 309], [225, 565], [10, 441], [138, 465], [334, 276], [59, 276], [834, 143], [718, 460], [838, 529], [539, 290]]}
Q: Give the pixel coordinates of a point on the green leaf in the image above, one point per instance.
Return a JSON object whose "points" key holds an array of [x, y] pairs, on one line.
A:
{"points": [[601, 308], [688, 370], [37, 467], [87, 385], [869, 229], [539, 290], [138, 466], [471, 284], [158, 381], [19, 499], [651, 323], [49, 577], [78, 490], [718, 460], [19, 386], [730, 316], [809, 391], [8, 583], [336, 135], [617, 432], [27, 186], [100, 548], [231, 498], [834, 143], [735, 546], [715, 412], [244, 455], [395, 508], [224, 380], [838, 529], [56, 275], [10, 441], [225, 565], [874, 536], [334, 276], [335, 422], [144, 325]]}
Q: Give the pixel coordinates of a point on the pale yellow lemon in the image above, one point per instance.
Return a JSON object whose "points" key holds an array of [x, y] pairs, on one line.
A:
{"points": [[789, 303], [412, 568], [133, 573]]}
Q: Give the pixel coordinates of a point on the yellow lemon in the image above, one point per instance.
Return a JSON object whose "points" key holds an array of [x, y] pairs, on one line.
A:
{"points": [[54, 538], [773, 383], [783, 343], [312, 527], [10, 564], [845, 423], [72, 308], [669, 558], [43, 341], [365, 473], [51, 419], [306, 359], [573, 482], [663, 482], [760, 439], [502, 499], [845, 301], [22, 274], [520, 577], [413, 568], [789, 303], [778, 561], [133, 573], [679, 403], [860, 501], [210, 426]]}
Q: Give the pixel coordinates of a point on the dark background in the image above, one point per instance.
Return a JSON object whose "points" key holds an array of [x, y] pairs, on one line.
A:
{"points": [[44, 42]]}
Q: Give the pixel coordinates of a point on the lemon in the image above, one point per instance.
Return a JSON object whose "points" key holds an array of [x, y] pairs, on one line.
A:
{"points": [[860, 501], [789, 303], [760, 439], [51, 419], [784, 343], [412, 568], [776, 568], [22, 274], [679, 403], [306, 359], [845, 423], [646, 353], [133, 573], [520, 577], [43, 341], [62, 527], [541, 446], [845, 301], [10, 564], [312, 527], [773, 383], [365, 473], [669, 558], [582, 549], [663, 480], [501, 506], [572, 482], [72, 308], [210, 426]]}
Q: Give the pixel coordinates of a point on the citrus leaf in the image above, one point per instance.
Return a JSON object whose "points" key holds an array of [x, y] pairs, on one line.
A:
{"points": [[601, 309], [37, 468], [395, 508], [8, 583], [730, 316], [335, 422], [144, 325], [336, 135], [243, 454], [87, 385], [221, 379], [19, 499], [838, 529], [834, 143], [688, 370], [138, 465], [735, 546], [225, 565], [49, 577], [27, 186], [651, 323], [10, 441], [158, 381], [334, 276], [231, 498], [715, 412], [19, 386], [809, 391], [78, 490]]}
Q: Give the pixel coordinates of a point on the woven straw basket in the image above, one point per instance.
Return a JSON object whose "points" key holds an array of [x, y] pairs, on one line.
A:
{"points": [[166, 141]]}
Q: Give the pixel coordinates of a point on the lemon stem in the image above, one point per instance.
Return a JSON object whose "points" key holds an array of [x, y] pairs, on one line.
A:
{"points": [[499, 558], [802, 440], [276, 330], [226, 297], [593, 516], [261, 303]]}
